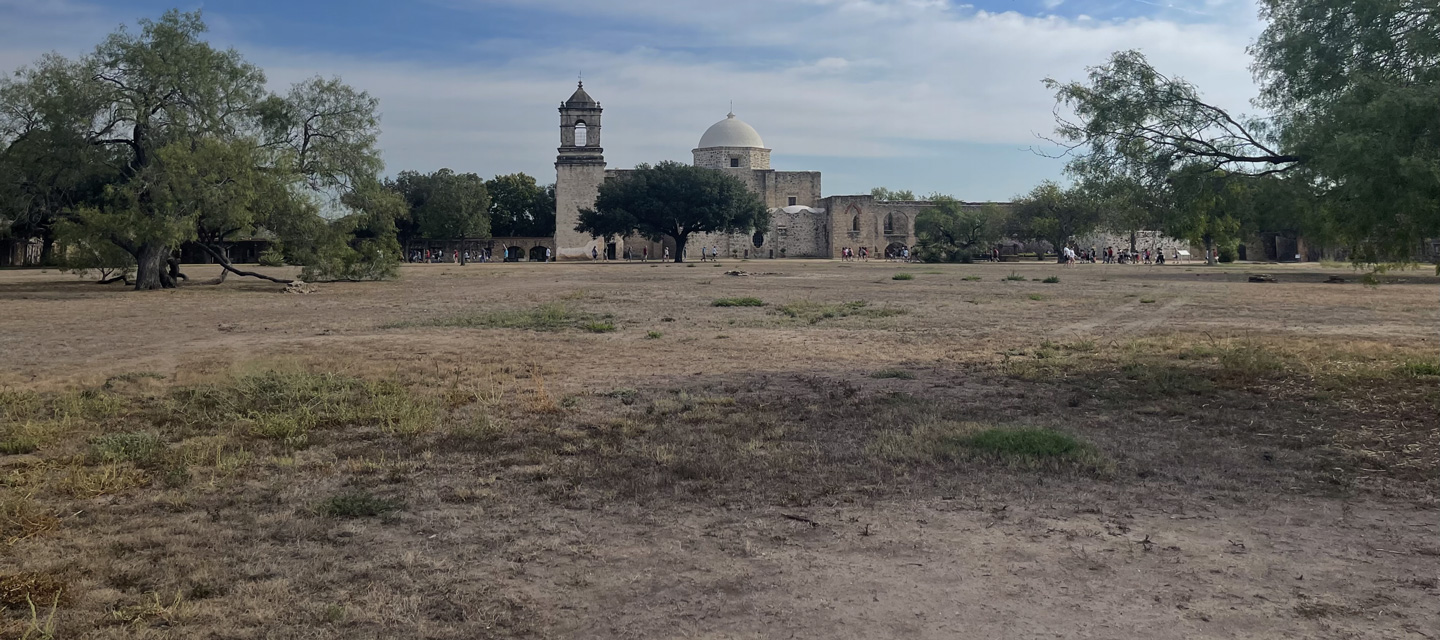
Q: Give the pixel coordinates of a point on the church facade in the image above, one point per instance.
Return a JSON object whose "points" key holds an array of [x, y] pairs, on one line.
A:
{"points": [[803, 222]]}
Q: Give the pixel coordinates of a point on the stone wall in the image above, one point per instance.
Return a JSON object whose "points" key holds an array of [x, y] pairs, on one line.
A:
{"points": [[1152, 240], [719, 157], [576, 187], [861, 221]]}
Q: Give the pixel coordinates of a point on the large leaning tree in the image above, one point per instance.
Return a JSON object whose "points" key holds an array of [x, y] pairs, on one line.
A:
{"points": [[675, 200], [157, 139], [1351, 130]]}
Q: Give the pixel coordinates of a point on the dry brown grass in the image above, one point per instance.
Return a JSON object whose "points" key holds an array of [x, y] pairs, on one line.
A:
{"points": [[304, 469]]}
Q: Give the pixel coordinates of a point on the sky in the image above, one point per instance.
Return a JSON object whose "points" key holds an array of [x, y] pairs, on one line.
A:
{"points": [[933, 96]]}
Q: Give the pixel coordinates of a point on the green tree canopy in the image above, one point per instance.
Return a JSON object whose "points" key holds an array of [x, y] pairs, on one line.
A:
{"points": [[1353, 94], [443, 205], [952, 231], [1053, 214], [185, 145], [885, 195], [675, 200], [519, 207]]}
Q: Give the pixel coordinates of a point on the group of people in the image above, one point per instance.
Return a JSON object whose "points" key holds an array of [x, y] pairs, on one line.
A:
{"points": [[1111, 256], [454, 255], [848, 254]]}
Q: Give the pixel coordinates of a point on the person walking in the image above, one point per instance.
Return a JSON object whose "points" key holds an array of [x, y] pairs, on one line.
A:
{"points": [[594, 253], [644, 254], [547, 254]]}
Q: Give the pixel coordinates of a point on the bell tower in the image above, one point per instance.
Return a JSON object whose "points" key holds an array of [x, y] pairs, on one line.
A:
{"points": [[579, 170]]}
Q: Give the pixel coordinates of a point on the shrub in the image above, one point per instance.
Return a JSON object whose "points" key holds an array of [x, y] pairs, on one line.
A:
{"points": [[1015, 276], [1147, 301], [902, 276], [357, 505], [1036, 296], [738, 302], [598, 327], [271, 257], [1052, 280], [1227, 252], [654, 335]]}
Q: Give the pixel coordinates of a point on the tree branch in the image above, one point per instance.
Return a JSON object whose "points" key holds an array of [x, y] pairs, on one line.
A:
{"points": [[225, 264]]}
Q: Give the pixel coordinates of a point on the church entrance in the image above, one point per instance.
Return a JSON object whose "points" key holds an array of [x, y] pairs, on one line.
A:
{"points": [[610, 251], [537, 254]]}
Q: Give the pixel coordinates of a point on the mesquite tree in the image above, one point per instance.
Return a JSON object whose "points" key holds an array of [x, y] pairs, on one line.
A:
{"points": [[190, 146], [1353, 129]]}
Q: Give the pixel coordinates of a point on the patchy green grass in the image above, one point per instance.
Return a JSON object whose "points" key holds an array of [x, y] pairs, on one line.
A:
{"points": [[356, 505], [546, 317], [899, 374], [1036, 296], [1052, 280], [814, 312], [972, 278], [654, 335], [16, 445], [902, 276], [1028, 448], [738, 302], [1147, 301], [1418, 369], [141, 448], [598, 326], [1016, 277]]}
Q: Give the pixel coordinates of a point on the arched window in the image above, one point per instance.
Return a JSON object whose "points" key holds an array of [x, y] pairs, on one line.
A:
{"points": [[889, 223], [855, 223], [580, 137]]}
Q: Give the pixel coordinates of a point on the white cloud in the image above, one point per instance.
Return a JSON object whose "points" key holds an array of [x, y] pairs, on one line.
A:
{"points": [[845, 78]]}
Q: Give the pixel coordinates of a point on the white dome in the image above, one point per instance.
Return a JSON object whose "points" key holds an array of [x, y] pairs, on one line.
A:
{"points": [[731, 132]]}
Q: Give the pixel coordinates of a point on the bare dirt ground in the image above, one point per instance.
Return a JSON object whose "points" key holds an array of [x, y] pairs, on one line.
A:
{"points": [[595, 451]]}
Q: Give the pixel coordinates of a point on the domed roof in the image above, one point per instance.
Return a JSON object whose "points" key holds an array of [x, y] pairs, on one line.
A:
{"points": [[731, 132]]}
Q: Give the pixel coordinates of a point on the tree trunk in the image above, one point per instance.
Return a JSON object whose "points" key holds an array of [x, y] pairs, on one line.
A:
{"points": [[1132, 241], [47, 246], [150, 268], [463, 251], [1211, 256], [680, 247]]}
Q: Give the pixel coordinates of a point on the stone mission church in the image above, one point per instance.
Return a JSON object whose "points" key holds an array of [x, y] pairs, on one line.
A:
{"points": [[803, 224]]}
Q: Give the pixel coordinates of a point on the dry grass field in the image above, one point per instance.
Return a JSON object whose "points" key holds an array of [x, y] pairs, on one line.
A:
{"points": [[811, 450]]}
